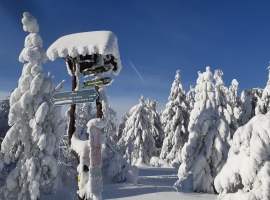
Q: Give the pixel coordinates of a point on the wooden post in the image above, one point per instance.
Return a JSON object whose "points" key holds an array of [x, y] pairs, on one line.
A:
{"points": [[98, 104], [71, 127]]}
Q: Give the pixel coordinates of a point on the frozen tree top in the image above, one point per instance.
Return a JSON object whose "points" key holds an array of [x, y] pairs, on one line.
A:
{"points": [[95, 42], [30, 23]]}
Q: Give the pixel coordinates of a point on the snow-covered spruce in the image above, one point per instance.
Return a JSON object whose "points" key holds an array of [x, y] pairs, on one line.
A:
{"points": [[264, 101], [137, 131], [83, 114], [155, 125], [4, 110], [235, 103], [190, 97], [175, 121], [223, 102], [32, 141], [120, 127], [246, 175], [205, 152], [110, 129], [250, 106]]}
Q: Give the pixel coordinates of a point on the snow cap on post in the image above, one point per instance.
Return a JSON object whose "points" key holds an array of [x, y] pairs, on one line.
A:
{"points": [[102, 43], [30, 23]]}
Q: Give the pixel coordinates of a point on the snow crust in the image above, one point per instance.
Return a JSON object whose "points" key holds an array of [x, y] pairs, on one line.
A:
{"points": [[95, 42]]}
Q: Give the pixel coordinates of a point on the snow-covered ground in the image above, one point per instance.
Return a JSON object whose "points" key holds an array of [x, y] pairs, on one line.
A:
{"points": [[154, 183]]}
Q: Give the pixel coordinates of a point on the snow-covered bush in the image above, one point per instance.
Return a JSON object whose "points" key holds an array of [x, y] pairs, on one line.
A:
{"points": [[175, 121], [115, 167], [246, 175], [137, 129], [36, 129], [205, 152]]}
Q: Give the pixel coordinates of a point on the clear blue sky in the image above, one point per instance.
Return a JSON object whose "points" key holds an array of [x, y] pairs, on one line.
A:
{"points": [[157, 36]]}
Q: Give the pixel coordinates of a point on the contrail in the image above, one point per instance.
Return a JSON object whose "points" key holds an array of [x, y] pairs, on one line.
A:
{"points": [[136, 71]]}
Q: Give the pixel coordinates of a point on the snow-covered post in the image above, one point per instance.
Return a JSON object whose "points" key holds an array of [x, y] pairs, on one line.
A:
{"points": [[90, 53]]}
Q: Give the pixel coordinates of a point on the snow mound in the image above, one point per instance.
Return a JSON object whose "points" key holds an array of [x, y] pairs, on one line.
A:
{"points": [[95, 42], [246, 175]]}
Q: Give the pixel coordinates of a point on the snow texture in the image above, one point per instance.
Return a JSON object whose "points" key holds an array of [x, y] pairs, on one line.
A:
{"points": [[205, 152], [95, 42], [246, 175], [32, 141], [175, 121]]}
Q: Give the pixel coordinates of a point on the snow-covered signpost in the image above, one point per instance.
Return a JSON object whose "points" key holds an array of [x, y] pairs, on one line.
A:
{"points": [[92, 54]]}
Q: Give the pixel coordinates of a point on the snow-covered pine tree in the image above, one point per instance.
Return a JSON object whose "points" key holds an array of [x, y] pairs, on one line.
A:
{"points": [[264, 101], [36, 130], [175, 120], [236, 104], [110, 129], [156, 126], [83, 114], [205, 152], [222, 101], [246, 174], [4, 110], [120, 127], [138, 129], [190, 97], [250, 106]]}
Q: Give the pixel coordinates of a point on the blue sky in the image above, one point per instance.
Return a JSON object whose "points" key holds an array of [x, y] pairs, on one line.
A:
{"points": [[157, 36]]}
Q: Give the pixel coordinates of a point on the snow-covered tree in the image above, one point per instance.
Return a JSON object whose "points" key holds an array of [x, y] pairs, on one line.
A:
{"points": [[264, 101], [137, 128], [110, 129], [205, 152], [190, 97], [236, 104], [222, 101], [36, 128], [155, 125], [250, 107], [246, 174], [175, 120], [83, 114], [4, 110], [120, 127]]}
